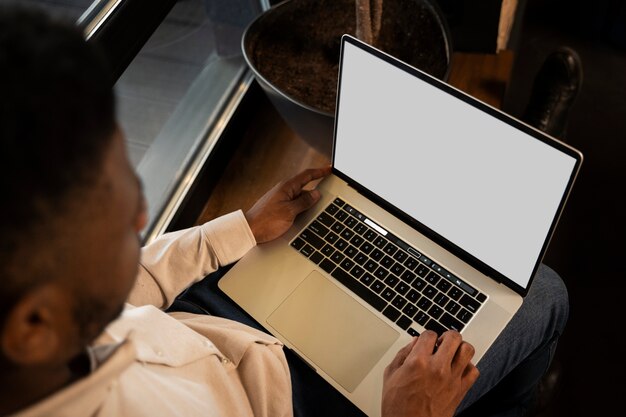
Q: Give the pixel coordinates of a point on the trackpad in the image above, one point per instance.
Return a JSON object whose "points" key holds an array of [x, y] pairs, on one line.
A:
{"points": [[334, 331]]}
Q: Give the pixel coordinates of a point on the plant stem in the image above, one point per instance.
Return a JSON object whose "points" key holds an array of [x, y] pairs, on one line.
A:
{"points": [[369, 15], [376, 11], [364, 21]]}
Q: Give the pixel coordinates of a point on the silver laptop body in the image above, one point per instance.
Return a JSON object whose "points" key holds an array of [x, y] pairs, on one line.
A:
{"points": [[460, 198]]}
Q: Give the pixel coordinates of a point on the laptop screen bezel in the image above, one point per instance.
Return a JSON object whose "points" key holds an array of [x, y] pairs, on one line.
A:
{"points": [[431, 234]]}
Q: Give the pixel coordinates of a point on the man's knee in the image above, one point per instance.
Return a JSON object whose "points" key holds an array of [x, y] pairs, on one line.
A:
{"points": [[548, 294]]}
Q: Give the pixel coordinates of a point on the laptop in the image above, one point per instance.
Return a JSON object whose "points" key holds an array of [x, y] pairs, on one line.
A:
{"points": [[436, 216]]}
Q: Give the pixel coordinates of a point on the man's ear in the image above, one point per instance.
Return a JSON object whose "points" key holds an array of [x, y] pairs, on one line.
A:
{"points": [[36, 327]]}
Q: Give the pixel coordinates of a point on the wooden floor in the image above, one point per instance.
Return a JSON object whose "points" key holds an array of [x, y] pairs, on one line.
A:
{"points": [[271, 152]]}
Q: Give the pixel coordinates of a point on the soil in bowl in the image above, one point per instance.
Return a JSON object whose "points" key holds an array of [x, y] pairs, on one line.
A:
{"points": [[296, 46]]}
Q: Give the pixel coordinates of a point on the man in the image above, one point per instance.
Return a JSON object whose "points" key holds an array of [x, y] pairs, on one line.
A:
{"points": [[70, 261]]}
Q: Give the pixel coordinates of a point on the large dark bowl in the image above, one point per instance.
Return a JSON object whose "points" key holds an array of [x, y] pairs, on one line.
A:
{"points": [[290, 26]]}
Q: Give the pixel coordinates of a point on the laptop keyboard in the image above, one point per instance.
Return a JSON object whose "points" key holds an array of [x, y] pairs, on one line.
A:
{"points": [[386, 272]]}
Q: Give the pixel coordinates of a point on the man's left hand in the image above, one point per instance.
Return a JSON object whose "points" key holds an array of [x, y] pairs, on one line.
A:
{"points": [[275, 212]]}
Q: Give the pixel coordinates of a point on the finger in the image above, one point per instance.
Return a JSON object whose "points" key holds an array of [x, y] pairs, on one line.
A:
{"points": [[469, 377], [462, 357], [305, 201], [306, 176], [404, 352], [449, 343], [425, 344], [401, 356]]}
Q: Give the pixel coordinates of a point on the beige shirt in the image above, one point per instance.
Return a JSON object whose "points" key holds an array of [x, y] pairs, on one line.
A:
{"points": [[149, 363]]}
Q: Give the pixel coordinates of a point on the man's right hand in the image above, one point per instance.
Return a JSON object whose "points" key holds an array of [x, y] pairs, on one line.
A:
{"points": [[429, 377]]}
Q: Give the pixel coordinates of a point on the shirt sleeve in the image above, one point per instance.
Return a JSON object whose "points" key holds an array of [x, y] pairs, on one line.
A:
{"points": [[176, 260]]}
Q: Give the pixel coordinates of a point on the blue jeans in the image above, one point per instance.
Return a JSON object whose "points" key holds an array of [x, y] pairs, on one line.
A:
{"points": [[509, 371]]}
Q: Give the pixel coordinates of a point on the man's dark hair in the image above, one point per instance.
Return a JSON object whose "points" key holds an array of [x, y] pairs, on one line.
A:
{"points": [[57, 118]]}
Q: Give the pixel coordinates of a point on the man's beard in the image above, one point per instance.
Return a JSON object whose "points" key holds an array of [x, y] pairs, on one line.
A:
{"points": [[92, 316]]}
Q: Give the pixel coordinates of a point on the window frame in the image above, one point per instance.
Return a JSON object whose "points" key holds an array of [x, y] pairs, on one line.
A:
{"points": [[190, 137]]}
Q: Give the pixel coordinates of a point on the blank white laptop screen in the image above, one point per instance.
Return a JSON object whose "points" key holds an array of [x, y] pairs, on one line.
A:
{"points": [[482, 184]]}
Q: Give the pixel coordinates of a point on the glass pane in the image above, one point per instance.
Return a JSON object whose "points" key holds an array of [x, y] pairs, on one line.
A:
{"points": [[67, 9], [171, 95]]}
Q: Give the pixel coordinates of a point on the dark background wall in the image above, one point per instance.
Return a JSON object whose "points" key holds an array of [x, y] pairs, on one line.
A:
{"points": [[589, 247]]}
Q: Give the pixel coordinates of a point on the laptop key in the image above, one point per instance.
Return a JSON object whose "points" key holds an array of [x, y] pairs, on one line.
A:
{"points": [[376, 255], [356, 240], [347, 234], [326, 219], [441, 299], [381, 273], [318, 228], [435, 327], [404, 322], [370, 235], [424, 303], [410, 310], [390, 249], [464, 315], [455, 293], [388, 294], [332, 209], [400, 256], [360, 229], [367, 279], [418, 284], [360, 290], [360, 259], [367, 247], [356, 272], [351, 222], [411, 263], [435, 311], [413, 296], [469, 303], [351, 251], [327, 265], [408, 276], [316, 258], [380, 242], [331, 237], [402, 287], [377, 286], [398, 302], [311, 238], [387, 262], [421, 318], [444, 285], [339, 202], [370, 265], [337, 257], [307, 250], [397, 269], [391, 313], [481, 297], [297, 243], [451, 323], [341, 244], [347, 264], [338, 227], [452, 307], [328, 250], [341, 215], [411, 331], [432, 278], [430, 292], [391, 280], [422, 270]]}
